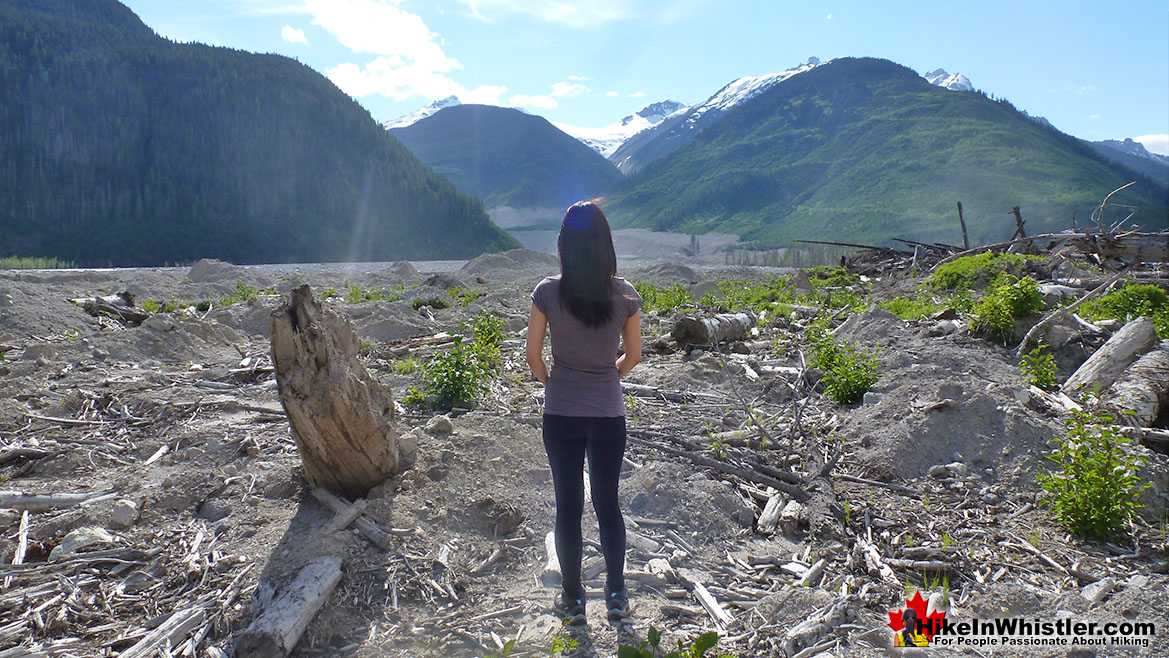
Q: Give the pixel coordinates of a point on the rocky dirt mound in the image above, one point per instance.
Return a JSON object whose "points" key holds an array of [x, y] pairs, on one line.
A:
{"points": [[517, 265]]}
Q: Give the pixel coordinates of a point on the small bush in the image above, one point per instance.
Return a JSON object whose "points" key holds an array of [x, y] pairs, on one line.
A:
{"points": [[1131, 302], [654, 298], [432, 302], [1039, 368], [405, 366], [651, 647], [487, 337], [151, 306], [968, 271], [328, 293], [1009, 298], [911, 309], [456, 377], [243, 293], [848, 373], [463, 297], [1094, 491]]}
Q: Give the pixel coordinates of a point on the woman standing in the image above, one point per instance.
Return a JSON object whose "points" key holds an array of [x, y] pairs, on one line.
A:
{"points": [[587, 309]]}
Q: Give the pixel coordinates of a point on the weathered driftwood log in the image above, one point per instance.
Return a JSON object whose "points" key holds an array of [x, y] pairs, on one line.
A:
{"points": [[342, 419], [277, 629], [120, 306], [1138, 246], [1106, 365], [1142, 390], [723, 327], [41, 503], [366, 525], [769, 519], [174, 630]]}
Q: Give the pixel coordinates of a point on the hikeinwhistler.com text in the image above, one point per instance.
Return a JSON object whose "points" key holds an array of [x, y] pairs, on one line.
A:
{"points": [[1014, 631]]}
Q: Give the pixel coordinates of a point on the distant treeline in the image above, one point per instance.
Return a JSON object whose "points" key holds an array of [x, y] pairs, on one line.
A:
{"points": [[119, 147]]}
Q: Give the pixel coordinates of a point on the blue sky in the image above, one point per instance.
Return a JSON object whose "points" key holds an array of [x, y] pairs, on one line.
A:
{"points": [[1096, 70]]}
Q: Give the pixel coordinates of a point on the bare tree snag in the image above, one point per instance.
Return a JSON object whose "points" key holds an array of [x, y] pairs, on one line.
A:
{"points": [[277, 629], [1143, 389], [708, 332], [342, 419], [1106, 365], [962, 221]]}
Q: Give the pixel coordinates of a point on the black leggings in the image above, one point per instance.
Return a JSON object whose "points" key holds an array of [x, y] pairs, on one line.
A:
{"points": [[568, 439]]}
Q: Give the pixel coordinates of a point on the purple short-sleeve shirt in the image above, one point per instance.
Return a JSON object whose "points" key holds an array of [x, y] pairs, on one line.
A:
{"points": [[583, 380]]}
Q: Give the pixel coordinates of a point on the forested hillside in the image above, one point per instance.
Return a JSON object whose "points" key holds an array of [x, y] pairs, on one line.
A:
{"points": [[508, 158], [864, 150], [118, 147]]}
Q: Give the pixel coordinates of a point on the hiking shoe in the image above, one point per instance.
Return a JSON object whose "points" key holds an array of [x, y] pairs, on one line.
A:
{"points": [[570, 609], [617, 604]]}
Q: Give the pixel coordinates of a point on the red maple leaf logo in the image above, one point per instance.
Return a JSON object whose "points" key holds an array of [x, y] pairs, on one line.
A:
{"points": [[931, 622]]}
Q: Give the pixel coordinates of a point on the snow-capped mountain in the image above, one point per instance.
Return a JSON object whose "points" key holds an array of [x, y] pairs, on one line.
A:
{"points": [[607, 139], [1133, 147], [951, 81], [681, 127], [418, 115]]}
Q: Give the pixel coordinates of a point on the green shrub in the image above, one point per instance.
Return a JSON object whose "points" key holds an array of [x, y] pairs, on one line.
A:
{"points": [[1131, 302], [243, 293], [463, 297], [432, 302], [405, 366], [151, 306], [1009, 298], [487, 337], [367, 347], [654, 298], [651, 647], [1094, 491], [1039, 368], [967, 271], [911, 309], [848, 373], [328, 293], [456, 376]]}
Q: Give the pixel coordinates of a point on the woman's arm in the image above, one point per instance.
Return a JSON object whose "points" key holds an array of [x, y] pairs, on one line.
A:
{"points": [[537, 322], [631, 337]]}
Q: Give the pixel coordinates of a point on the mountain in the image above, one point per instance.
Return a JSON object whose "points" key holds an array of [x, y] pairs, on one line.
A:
{"points": [[1135, 156], [865, 150], [507, 157], [680, 128], [607, 139], [953, 82], [118, 147], [418, 115]]}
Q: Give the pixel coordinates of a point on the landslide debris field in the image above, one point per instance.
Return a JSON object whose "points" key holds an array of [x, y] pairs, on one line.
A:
{"points": [[758, 505]]}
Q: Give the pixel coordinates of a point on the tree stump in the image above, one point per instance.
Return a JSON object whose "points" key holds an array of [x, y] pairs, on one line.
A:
{"points": [[342, 419]]}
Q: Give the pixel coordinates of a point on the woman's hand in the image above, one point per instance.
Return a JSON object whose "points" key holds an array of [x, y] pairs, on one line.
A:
{"points": [[631, 337], [537, 323]]}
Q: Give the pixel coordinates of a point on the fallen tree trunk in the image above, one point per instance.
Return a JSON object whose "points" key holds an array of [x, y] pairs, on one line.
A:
{"points": [[277, 629], [174, 630], [1106, 365], [342, 419], [1137, 246], [1143, 390], [708, 332]]}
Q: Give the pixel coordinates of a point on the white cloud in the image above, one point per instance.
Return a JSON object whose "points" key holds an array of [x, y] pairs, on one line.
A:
{"points": [[829, 17], [565, 12], [611, 94], [293, 35], [577, 78], [409, 57], [541, 101], [1093, 117], [1155, 143], [567, 90], [637, 94], [1080, 90]]}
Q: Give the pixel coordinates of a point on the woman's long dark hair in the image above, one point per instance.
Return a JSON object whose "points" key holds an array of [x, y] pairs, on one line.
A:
{"points": [[587, 263]]}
